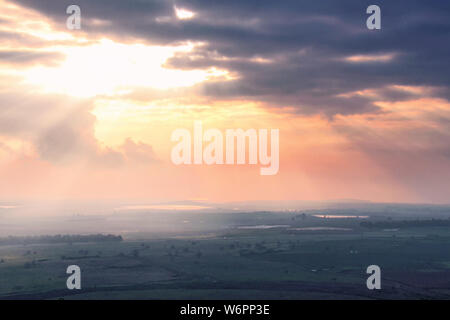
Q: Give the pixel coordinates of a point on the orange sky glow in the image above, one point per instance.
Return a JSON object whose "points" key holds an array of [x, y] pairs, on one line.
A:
{"points": [[89, 115]]}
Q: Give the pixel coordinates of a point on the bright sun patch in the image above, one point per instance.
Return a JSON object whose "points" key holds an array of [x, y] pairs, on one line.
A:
{"points": [[108, 68], [183, 14]]}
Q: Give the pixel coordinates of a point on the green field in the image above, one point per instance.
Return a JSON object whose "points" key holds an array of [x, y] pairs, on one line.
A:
{"points": [[276, 263]]}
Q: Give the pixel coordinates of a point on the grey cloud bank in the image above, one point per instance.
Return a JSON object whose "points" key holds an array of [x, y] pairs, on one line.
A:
{"points": [[304, 42]]}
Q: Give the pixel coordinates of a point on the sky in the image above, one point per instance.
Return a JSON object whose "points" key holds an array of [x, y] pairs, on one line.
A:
{"points": [[88, 114]]}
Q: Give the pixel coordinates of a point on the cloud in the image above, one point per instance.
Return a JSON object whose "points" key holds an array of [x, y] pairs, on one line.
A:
{"points": [[61, 129], [72, 140], [412, 144], [138, 152], [385, 93], [309, 44], [27, 58], [69, 138]]}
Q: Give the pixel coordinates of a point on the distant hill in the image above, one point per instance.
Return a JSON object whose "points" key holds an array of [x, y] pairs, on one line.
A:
{"points": [[60, 239]]}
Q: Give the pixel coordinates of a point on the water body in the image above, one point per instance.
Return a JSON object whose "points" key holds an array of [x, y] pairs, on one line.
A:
{"points": [[326, 216], [263, 227], [321, 229]]}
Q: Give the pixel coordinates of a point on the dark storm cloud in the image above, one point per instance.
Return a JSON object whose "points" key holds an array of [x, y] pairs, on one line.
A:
{"points": [[306, 41]]}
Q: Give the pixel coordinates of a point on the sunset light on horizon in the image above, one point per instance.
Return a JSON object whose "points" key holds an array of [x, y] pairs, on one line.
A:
{"points": [[89, 113]]}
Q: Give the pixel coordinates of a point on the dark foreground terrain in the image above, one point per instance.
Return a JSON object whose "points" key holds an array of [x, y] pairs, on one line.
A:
{"points": [[256, 256]]}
